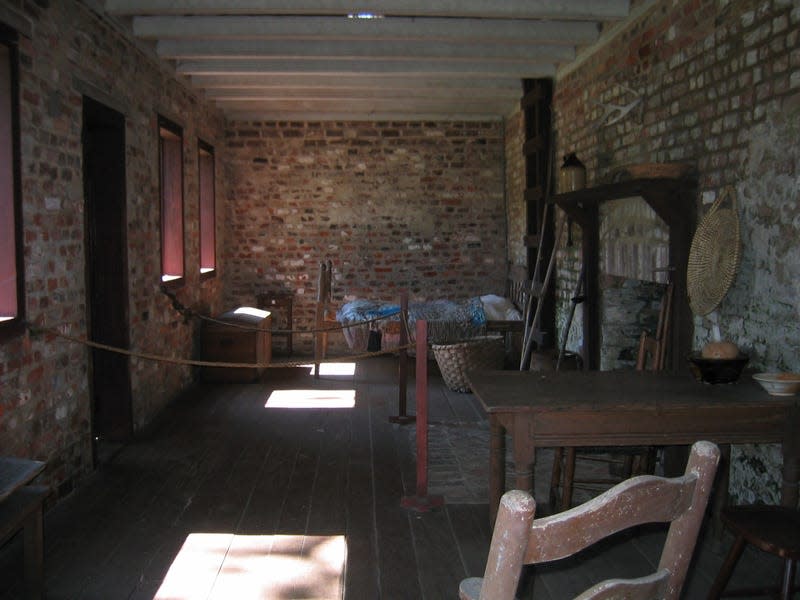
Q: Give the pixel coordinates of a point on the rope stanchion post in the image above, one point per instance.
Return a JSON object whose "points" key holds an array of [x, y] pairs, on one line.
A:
{"points": [[402, 367], [422, 501]]}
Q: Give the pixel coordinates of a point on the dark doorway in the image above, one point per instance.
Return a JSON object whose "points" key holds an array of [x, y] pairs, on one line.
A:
{"points": [[106, 275]]}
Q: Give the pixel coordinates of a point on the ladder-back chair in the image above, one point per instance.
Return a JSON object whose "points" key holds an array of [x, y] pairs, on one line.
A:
{"points": [[635, 461], [519, 539], [324, 314]]}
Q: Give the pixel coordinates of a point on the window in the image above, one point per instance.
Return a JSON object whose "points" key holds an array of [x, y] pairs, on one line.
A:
{"points": [[11, 269], [208, 258], [171, 159]]}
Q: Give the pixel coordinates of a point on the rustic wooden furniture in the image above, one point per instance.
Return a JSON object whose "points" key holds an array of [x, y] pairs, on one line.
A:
{"points": [[280, 308], [520, 540], [673, 200], [773, 529], [651, 357], [237, 336], [21, 509], [628, 408]]}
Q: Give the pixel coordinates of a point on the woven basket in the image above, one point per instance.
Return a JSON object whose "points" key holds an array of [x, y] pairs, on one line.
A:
{"points": [[455, 360], [714, 256]]}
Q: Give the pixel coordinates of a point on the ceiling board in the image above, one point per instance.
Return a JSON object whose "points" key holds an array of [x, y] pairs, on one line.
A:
{"points": [[422, 59]]}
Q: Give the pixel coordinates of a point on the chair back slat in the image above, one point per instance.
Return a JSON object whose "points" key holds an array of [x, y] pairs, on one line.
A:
{"points": [[520, 539], [644, 588], [623, 506]]}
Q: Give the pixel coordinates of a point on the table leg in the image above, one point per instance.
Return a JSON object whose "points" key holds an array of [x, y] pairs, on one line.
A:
{"points": [[524, 456], [497, 466], [791, 461], [719, 500]]}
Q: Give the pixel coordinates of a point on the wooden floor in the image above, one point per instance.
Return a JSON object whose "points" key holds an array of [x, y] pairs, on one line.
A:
{"points": [[230, 498]]}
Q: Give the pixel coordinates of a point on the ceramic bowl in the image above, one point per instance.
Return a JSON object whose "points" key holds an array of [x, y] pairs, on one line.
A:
{"points": [[779, 384], [717, 370]]}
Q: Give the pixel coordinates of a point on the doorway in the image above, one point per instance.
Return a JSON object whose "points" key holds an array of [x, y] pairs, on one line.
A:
{"points": [[106, 276]]}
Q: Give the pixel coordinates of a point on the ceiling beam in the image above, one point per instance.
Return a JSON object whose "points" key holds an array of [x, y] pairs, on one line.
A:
{"points": [[310, 93], [338, 28], [440, 68], [359, 105], [515, 9], [335, 81], [361, 50], [344, 116]]}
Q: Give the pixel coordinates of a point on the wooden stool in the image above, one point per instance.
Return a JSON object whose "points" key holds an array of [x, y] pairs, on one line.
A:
{"points": [[773, 529]]}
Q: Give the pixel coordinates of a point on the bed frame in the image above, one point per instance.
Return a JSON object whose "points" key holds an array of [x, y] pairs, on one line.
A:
{"points": [[517, 290]]}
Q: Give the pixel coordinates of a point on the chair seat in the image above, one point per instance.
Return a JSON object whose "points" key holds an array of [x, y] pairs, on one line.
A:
{"points": [[773, 529]]}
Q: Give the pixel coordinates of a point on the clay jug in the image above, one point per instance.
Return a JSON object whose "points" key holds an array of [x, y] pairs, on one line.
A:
{"points": [[572, 175]]}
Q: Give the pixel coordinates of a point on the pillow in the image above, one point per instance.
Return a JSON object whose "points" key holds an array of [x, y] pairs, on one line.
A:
{"points": [[498, 308]]}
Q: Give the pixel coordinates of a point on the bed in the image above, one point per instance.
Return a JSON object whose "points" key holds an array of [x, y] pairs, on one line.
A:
{"points": [[448, 320]]}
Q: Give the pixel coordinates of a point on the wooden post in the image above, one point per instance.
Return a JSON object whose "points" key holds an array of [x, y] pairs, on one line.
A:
{"points": [[422, 502], [402, 367]]}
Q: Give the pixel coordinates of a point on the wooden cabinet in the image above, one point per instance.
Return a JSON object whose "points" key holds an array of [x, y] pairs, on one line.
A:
{"points": [[238, 336]]}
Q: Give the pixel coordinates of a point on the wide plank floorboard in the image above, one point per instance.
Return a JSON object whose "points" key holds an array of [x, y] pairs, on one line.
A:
{"points": [[228, 496]]}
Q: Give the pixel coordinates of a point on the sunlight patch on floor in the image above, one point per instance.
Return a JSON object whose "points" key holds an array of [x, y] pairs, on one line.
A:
{"points": [[312, 399], [221, 566], [334, 368]]}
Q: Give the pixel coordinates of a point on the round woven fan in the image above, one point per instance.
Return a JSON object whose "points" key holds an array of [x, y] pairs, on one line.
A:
{"points": [[714, 255]]}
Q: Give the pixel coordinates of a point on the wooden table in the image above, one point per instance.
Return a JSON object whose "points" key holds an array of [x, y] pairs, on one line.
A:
{"points": [[627, 408]]}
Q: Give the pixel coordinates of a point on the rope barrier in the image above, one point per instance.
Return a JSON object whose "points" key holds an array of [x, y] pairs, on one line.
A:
{"points": [[188, 313], [36, 330]]}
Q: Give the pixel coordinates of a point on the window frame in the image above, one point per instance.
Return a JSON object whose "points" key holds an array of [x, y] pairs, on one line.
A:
{"points": [[169, 130], [14, 325], [207, 231]]}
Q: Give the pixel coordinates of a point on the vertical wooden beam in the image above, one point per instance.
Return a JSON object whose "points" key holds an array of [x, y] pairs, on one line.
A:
{"points": [[422, 502]]}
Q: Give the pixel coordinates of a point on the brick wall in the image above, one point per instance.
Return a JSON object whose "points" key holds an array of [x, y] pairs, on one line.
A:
{"points": [[395, 206], [719, 84], [516, 211], [66, 52]]}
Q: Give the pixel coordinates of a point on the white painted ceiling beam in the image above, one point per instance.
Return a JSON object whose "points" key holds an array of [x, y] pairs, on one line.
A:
{"points": [[305, 59], [361, 50], [339, 28], [515, 9], [251, 81], [334, 116], [310, 93], [403, 68], [358, 105]]}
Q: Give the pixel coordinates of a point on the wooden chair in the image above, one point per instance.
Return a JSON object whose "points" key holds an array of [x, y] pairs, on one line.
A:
{"points": [[520, 540], [324, 314], [773, 529], [635, 461]]}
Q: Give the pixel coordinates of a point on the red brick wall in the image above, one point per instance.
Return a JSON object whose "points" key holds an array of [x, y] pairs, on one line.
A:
{"points": [[395, 206], [45, 405], [517, 216]]}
